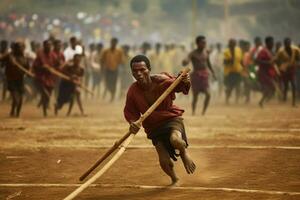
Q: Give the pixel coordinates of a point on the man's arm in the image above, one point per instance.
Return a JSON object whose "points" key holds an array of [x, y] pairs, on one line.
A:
{"points": [[131, 112], [186, 61], [210, 68]]}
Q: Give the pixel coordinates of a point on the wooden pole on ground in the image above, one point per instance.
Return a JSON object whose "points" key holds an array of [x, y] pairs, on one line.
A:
{"points": [[128, 137]]}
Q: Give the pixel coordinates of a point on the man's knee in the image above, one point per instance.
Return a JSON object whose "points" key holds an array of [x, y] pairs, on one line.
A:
{"points": [[176, 140]]}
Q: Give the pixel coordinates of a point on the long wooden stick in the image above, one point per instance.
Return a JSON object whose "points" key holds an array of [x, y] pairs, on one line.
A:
{"points": [[139, 122], [63, 76], [128, 137], [102, 170]]}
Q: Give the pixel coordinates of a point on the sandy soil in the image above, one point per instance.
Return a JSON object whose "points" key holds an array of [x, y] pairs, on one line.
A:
{"points": [[236, 147]]}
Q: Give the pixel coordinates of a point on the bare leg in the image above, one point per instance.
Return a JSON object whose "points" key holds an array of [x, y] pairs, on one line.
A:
{"points": [[45, 98], [45, 104], [261, 102], [70, 106], [285, 90], [228, 91], [293, 84], [206, 102], [178, 143], [4, 89], [79, 102], [19, 104], [13, 104], [165, 162], [194, 102], [237, 93]]}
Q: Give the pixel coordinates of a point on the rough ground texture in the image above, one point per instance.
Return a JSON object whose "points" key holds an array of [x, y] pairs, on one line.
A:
{"points": [[236, 147]]}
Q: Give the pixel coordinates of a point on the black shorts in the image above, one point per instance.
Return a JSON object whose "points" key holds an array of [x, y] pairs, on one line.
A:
{"points": [[163, 133], [232, 80]]}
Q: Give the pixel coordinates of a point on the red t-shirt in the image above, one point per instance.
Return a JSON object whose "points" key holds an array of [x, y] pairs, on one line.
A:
{"points": [[266, 55], [42, 74], [136, 103], [59, 59]]}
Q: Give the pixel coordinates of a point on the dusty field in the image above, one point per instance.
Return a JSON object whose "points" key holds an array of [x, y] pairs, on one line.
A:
{"points": [[241, 153]]}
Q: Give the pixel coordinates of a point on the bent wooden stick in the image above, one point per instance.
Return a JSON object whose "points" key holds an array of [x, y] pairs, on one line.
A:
{"points": [[138, 122], [102, 170], [128, 137]]}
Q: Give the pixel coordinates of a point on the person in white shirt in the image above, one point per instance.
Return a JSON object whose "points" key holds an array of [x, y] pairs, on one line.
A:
{"points": [[73, 49]]}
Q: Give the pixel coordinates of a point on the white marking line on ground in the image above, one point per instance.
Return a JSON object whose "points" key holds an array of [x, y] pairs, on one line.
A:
{"points": [[123, 128], [14, 157], [153, 187], [190, 147], [247, 129]]}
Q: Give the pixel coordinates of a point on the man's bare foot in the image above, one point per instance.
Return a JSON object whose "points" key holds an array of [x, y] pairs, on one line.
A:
{"points": [[175, 183], [188, 163]]}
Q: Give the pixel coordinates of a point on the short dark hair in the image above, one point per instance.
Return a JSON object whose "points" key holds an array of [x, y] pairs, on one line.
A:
{"points": [[269, 39], [141, 58], [199, 38], [56, 41], [73, 39], [77, 55], [114, 39]]}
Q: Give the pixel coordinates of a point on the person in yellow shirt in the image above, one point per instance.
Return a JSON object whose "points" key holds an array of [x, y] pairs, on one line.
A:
{"points": [[232, 69], [111, 60], [288, 59]]}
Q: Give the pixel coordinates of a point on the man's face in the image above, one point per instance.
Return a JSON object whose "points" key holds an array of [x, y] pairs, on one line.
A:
{"points": [[73, 43], [77, 60], [47, 46], [201, 44], [19, 48], [113, 43], [232, 44], [287, 43], [140, 72], [270, 44], [58, 46]]}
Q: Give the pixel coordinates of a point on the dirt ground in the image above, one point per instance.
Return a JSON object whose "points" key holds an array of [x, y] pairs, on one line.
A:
{"points": [[241, 152]]}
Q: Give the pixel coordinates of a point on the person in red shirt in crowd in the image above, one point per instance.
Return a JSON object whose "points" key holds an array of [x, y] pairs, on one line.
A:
{"points": [[59, 61], [15, 76], [68, 90], [266, 71], [45, 79], [165, 125]]}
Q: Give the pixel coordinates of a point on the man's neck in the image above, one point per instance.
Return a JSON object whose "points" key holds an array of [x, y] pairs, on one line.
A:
{"points": [[200, 49], [147, 86]]}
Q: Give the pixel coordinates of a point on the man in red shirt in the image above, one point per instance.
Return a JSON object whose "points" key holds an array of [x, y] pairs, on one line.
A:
{"points": [[165, 125], [45, 79], [266, 72]]}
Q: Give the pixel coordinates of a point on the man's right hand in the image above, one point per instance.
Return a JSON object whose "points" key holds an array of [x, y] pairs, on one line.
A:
{"points": [[134, 127]]}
